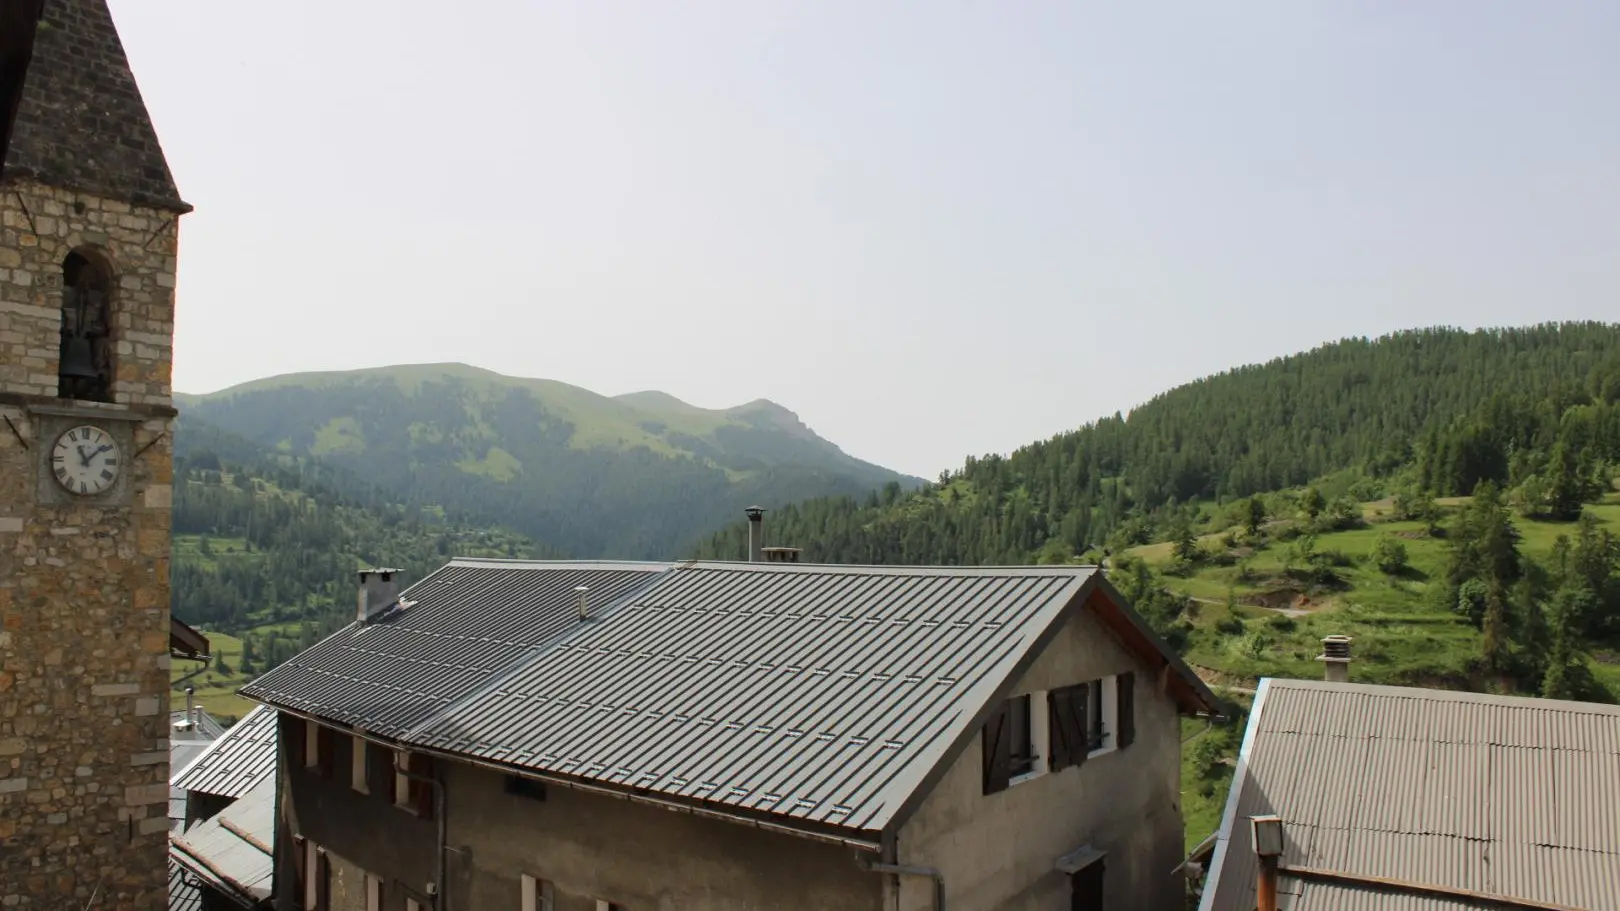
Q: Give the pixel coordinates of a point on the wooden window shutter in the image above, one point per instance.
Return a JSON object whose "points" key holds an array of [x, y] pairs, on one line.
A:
{"points": [[324, 748], [1080, 734], [1060, 745], [421, 791], [295, 730], [1127, 710], [997, 751]]}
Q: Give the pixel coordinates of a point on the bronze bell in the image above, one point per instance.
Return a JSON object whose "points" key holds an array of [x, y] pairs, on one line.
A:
{"points": [[78, 359]]}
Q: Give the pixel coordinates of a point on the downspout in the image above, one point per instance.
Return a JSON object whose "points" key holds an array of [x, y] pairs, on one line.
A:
{"points": [[441, 900], [910, 870]]}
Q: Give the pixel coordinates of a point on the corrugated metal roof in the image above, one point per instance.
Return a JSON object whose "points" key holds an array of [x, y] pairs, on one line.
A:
{"points": [[183, 892], [231, 851], [1511, 796], [235, 762], [819, 693], [471, 620]]}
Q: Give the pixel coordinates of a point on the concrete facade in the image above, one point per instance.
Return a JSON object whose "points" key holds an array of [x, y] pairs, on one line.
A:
{"points": [[586, 847], [996, 851], [84, 581]]}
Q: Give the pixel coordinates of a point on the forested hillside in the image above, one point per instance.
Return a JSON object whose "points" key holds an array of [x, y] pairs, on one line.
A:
{"points": [[1439, 407], [638, 476], [266, 545]]}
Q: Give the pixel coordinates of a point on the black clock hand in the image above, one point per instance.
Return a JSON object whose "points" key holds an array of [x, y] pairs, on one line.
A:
{"points": [[83, 459]]}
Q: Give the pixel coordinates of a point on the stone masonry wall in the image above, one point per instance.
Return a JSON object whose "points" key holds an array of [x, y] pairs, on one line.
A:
{"points": [[84, 584]]}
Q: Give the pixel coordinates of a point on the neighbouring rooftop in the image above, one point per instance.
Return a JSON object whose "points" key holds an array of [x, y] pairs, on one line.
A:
{"points": [[240, 758], [1506, 796], [814, 694]]}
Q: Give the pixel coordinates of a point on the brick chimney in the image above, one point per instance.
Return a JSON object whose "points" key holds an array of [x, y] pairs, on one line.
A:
{"points": [[379, 588]]}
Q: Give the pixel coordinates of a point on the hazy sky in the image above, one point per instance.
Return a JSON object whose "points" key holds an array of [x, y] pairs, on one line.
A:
{"points": [[930, 228]]}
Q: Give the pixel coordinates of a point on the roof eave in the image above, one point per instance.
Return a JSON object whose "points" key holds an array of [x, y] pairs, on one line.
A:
{"points": [[859, 839], [1192, 695]]}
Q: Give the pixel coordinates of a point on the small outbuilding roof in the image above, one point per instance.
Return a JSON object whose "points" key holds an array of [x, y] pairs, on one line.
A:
{"points": [[232, 850], [1396, 798], [239, 759]]}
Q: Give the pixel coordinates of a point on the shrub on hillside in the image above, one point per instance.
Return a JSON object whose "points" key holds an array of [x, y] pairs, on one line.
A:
{"points": [[1389, 554]]}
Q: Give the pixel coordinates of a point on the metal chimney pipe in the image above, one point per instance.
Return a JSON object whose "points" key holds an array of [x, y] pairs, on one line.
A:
{"points": [[1267, 836], [584, 601], [756, 533], [1335, 659], [191, 718]]}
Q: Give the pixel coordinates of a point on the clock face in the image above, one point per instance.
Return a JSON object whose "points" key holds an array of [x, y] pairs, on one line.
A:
{"points": [[86, 460]]}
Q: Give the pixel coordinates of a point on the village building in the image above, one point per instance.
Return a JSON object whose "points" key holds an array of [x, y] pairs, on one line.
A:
{"points": [[1370, 798], [587, 736], [221, 856]]}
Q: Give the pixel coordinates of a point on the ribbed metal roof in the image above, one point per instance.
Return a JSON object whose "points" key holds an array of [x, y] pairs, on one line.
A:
{"points": [[471, 620], [231, 765], [1512, 796], [183, 892], [819, 693]]}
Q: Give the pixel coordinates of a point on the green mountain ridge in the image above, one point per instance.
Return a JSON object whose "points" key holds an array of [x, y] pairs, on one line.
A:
{"points": [[639, 476]]}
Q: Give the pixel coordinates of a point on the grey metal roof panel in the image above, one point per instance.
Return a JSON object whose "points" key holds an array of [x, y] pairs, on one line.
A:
{"points": [[471, 620], [1520, 797], [819, 693], [232, 849], [183, 892], [234, 763]]}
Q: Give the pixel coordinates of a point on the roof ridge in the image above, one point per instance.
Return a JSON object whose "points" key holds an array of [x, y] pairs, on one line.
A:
{"points": [[1569, 706]]}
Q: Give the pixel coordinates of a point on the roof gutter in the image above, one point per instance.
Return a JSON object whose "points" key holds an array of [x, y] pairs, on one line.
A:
{"points": [[911, 870], [1488, 899], [860, 844]]}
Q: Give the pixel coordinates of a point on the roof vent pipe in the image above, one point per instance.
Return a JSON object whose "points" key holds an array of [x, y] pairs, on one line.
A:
{"points": [[584, 592], [756, 533], [1335, 659]]}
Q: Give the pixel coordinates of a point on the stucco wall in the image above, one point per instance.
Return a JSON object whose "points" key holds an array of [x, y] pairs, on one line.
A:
{"points": [[641, 857], [84, 581], [363, 833], [997, 850]]}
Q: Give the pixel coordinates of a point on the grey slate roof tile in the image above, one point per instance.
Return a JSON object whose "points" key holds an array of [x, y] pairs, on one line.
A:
{"points": [[1515, 796], [81, 123]]}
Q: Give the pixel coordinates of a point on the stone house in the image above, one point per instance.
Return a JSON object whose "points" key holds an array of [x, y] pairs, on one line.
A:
{"points": [[594, 736], [88, 231]]}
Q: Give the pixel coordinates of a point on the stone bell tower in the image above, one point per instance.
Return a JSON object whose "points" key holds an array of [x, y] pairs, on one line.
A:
{"points": [[88, 229]]}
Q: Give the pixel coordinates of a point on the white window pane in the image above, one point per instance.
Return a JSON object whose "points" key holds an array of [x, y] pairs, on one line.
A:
{"points": [[530, 901], [373, 893]]}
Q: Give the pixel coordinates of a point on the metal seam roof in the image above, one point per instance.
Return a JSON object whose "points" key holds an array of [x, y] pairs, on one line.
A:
{"points": [[818, 695], [1510, 795], [234, 763]]}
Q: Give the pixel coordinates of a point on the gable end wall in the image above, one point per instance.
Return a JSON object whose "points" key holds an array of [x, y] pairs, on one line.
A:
{"points": [[997, 851]]}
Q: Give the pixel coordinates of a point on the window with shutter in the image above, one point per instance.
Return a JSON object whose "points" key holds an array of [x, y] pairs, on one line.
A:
{"points": [[1096, 731], [357, 767], [1060, 742], [1022, 759], [1126, 723], [1068, 706], [323, 882], [374, 893], [421, 792], [997, 739], [325, 748]]}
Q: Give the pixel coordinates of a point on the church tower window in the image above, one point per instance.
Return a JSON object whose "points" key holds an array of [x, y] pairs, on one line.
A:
{"points": [[85, 368]]}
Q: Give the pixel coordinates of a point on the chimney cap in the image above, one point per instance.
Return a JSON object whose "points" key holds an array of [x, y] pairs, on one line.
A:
{"points": [[1268, 835], [755, 513], [384, 571]]}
